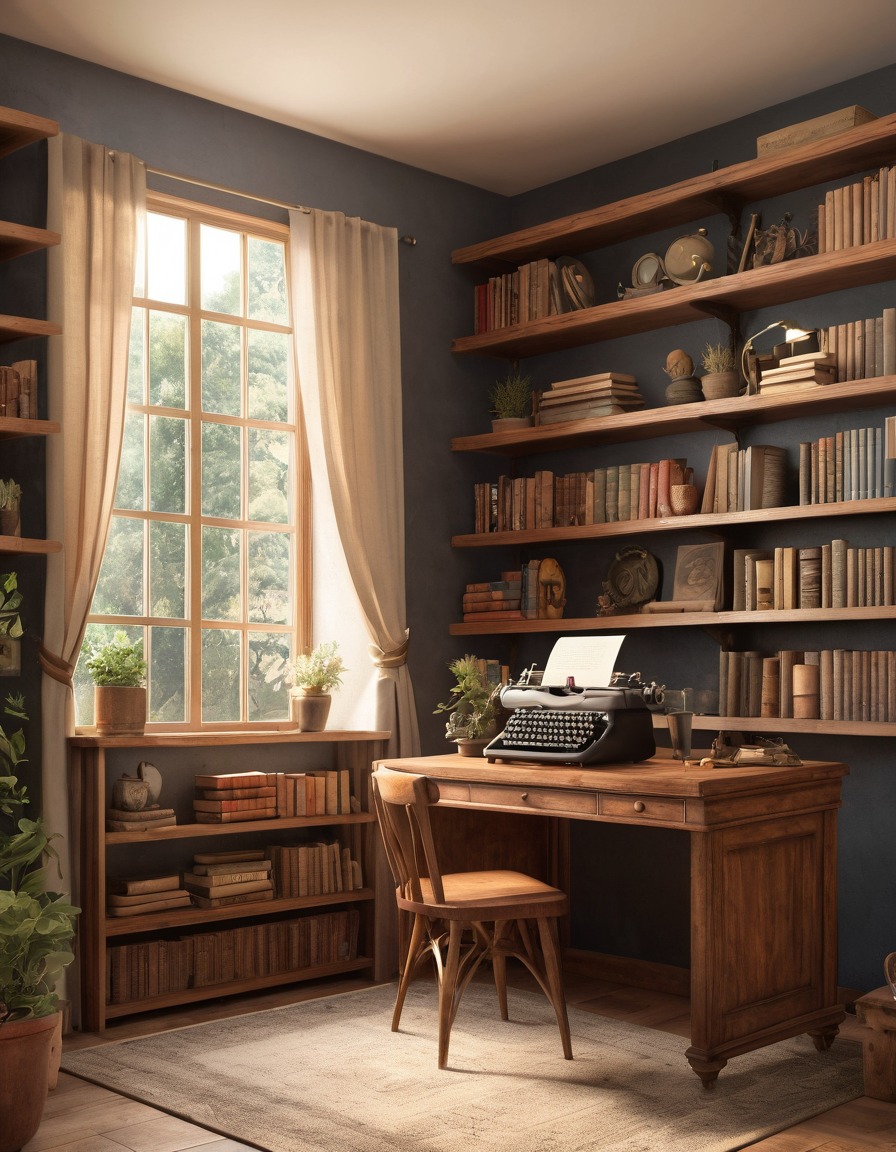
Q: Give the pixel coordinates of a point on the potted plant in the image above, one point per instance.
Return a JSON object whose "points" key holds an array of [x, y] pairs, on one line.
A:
{"points": [[36, 928], [118, 671], [10, 499], [473, 707], [721, 377], [314, 675], [511, 398]]}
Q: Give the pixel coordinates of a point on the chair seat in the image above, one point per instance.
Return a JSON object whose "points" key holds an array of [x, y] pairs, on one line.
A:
{"points": [[483, 895]]}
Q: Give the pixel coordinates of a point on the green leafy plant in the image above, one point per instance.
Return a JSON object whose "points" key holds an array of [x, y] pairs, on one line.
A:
{"points": [[718, 358], [36, 926], [10, 494], [118, 663], [10, 602], [511, 396], [321, 669], [473, 705]]}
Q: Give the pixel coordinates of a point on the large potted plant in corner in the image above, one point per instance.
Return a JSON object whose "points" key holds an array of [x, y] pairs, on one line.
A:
{"points": [[315, 675], [473, 708], [36, 928], [118, 671]]}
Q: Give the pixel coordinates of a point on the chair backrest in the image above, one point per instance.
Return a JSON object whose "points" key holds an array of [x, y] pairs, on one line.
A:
{"points": [[402, 806]]}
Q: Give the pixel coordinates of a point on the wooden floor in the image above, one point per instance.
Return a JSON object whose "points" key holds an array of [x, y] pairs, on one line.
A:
{"points": [[81, 1117]]}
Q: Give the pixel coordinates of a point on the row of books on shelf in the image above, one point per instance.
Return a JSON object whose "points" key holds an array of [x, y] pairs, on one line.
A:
{"points": [[834, 575], [863, 349], [230, 798], [745, 479], [587, 397], [830, 684], [858, 213], [856, 464], [532, 291], [602, 495], [249, 876], [515, 596], [138, 971], [18, 390]]}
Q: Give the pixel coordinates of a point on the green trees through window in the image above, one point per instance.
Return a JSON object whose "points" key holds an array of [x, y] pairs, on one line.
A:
{"points": [[206, 538]]}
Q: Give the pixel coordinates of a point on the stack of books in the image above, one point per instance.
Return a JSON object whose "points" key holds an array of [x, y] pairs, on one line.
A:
{"points": [[143, 820], [794, 373], [495, 599], [137, 895], [219, 879], [604, 394], [235, 797], [314, 869]]}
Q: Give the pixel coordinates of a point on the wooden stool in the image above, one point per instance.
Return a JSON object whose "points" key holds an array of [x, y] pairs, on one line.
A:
{"points": [[877, 1011]]}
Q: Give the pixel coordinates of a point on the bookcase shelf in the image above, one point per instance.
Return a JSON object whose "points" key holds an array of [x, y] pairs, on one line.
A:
{"points": [[684, 304], [27, 546], [20, 239], [783, 725], [673, 620], [93, 763], [727, 191], [238, 987], [675, 419], [711, 521]]}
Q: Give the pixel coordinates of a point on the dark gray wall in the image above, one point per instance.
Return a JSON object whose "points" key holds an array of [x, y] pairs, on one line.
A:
{"points": [[445, 396]]}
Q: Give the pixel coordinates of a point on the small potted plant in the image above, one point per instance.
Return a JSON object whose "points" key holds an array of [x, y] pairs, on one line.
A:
{"points": [[473, 708], [314, 675], [511, 398], [10, 499], [118, 671], [36, 928], [720, 378]]}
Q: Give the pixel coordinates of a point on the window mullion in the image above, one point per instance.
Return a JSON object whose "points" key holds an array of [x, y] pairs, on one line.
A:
{"points": [[194, 496]]}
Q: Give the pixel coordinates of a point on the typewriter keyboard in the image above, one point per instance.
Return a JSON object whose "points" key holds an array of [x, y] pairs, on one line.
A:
{"points": [[552, 730]]}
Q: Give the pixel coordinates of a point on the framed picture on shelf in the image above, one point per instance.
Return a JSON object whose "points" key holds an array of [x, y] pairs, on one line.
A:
{"points": [[10, 656]]}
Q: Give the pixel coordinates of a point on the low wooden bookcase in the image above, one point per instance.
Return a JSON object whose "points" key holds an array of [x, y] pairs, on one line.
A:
{"points": [[96, 761]]}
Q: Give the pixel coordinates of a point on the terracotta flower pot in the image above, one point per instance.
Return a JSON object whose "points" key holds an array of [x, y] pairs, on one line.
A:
{"points": [[25, 1048]]}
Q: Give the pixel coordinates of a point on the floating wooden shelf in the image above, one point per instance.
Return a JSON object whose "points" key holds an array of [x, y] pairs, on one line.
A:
{"points": [[24, 546], [20, 128], [19, 240], [12, 427], [784, 725], [673, 420], [728, 189], [22, 327], [683, 304]]}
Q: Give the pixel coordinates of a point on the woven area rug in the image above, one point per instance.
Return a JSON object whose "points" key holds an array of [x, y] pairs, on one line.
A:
{"points": [[329, 1074]]}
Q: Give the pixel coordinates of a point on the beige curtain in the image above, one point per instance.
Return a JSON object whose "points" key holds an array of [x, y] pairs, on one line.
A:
{"points": [[97, 200], [345, 305]]}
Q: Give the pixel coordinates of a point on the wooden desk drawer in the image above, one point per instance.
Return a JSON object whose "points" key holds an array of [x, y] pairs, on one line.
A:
{"points": [[640, 807], [557, 801]]}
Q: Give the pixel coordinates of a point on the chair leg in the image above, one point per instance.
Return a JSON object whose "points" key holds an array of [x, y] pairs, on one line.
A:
{"points": [[499, 966], [550, 948], [448, 989], [410, 963]]}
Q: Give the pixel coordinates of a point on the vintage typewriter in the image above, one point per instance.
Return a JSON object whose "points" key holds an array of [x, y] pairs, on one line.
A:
{"points": [[574, 725]]}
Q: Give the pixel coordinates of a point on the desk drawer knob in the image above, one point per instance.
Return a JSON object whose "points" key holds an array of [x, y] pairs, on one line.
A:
{"points": [[524, 795], [639, 805]]}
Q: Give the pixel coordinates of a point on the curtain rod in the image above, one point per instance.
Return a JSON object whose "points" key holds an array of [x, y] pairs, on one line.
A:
{"points": [[410, 240]]}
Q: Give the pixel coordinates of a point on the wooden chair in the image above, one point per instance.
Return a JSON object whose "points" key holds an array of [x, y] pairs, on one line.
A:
{"points": [[465, 917]]}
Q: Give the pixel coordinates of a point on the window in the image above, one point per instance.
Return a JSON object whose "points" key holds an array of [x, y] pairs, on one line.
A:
{"points": [[208, 547]]}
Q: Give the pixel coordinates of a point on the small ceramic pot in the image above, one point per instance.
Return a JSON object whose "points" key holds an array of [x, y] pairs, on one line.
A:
{"points": [[511, 423], [129, 794], [718, 385], [683, 390], [471, 746], [683, 499], [309, 709]]}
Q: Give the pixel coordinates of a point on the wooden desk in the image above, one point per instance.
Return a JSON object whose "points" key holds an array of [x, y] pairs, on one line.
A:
{"points": [[762, 874]]}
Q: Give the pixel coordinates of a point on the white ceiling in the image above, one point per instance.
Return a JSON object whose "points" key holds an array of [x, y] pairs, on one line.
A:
{"points": [[504, 94]]}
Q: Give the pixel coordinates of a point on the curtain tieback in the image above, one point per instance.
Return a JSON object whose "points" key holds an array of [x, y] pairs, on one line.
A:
{"points": [[391, 659], [56, 667]]}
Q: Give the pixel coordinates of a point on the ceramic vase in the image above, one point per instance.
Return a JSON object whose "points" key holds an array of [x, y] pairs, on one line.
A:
{"points": [[309, 709], [683, 390]]}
